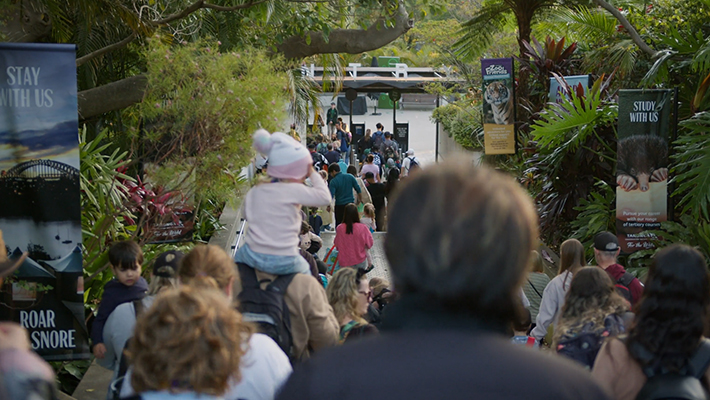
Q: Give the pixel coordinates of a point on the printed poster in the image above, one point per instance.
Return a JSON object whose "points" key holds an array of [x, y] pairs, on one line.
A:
{"points": [[642, 166], [573, 81], [498, 105], [39, 188]]}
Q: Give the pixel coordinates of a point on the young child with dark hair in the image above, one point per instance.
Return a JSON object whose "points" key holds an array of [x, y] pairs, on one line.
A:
{"points": [[521, 327], [126, 258]]}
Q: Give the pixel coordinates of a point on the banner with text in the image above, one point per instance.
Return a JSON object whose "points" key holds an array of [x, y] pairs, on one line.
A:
{"points": [[498, 105], [39, 187], [642, 166], [573, 81]]}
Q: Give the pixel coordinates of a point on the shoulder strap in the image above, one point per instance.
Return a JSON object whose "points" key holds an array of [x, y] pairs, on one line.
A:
{"points": [[533, 287], [700, 361], [281, 283], [248, 276], [138, 307], [626, 279]]}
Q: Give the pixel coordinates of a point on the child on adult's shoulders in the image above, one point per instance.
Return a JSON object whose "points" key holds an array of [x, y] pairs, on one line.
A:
{"points": [[126, 259]]}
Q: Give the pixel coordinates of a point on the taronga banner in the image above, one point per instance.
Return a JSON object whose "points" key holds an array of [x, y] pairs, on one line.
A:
{"points": [[498, 105], [573, 81], [39, 192], [642, 166]]}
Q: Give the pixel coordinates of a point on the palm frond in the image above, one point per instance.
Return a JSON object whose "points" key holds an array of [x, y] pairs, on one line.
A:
{"points": [[478, 32], [692, 165]]}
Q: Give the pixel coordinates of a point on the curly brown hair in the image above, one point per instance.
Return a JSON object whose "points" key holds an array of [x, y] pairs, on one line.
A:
{"points": [[190, 339], [591, 298]]}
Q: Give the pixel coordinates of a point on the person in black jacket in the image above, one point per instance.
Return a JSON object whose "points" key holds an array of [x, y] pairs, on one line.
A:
{"points": [[459, 239]]}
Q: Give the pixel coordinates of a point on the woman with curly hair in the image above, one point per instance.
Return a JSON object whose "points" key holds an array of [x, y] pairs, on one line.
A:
{"points": [[592, 312], [263, 366], [187, 345], [553, 296], [349, 294], [668, 329]]}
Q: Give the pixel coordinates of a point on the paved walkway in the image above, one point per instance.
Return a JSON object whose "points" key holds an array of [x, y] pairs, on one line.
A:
{"points": [[382, 268]]}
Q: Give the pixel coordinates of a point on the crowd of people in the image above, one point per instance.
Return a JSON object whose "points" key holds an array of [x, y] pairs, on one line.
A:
{"points": [[470, 309]]}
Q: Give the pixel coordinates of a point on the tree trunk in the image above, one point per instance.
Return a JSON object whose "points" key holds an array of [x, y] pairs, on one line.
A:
{"points": [[522, 92], [113, 96], [352, 41]]}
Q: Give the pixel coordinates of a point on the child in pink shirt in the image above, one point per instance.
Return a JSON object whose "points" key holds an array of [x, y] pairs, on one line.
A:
{"points": [[272, 208], [353, 240]]}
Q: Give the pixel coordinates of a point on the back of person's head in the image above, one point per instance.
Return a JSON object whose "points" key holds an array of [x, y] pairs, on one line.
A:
{"points": [[330, 147], [368, 132], [323, 174], [591, 298], [571, 255], [165, 268], [370, 159], [369, 175], [377, 285], [536, 262], [305, 227], [350, 216], [461, 236], [673, 311], [126, 254], [207, 266], [523, 322], [369, 210], [190, 339], [388, 135], [343, 292], [333, 168], [352, 170]]}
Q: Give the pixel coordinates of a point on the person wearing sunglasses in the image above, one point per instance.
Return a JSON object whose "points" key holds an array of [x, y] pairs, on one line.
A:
{"points": [[349, 294]]}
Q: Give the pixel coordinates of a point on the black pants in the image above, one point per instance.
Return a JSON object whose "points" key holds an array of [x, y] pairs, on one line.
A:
{"points": [[339, 213]]}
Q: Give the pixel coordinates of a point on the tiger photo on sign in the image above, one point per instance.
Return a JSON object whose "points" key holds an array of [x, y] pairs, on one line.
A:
{"points": [[500, 104]]}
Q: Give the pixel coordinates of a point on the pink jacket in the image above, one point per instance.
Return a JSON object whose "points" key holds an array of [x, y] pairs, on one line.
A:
{"points": [[352, 248]]}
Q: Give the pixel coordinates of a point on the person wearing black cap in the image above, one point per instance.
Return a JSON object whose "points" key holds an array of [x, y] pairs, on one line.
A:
{"points": [[606, 251], [120, 323]]}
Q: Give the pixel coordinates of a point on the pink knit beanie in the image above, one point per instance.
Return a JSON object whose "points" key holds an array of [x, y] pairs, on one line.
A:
{"points": [[288, 159]]}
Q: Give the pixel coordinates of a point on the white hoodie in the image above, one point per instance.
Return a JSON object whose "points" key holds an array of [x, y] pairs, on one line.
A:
{"points": [[553, 298]]}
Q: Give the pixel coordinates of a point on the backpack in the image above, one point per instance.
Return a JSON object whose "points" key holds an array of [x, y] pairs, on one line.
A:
{"points": [[319, 161], [584, 346], [378, 136], [267, 308], [390, 152], [413, 164], [117, 384], [680, 386], [622, 286]]}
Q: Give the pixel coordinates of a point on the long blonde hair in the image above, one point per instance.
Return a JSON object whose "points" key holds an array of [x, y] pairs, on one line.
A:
{"points": [[536, 262], [343, 294], [190, 339]]}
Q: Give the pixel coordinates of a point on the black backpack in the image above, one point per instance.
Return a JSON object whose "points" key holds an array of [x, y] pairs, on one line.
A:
{"points": [[679, 386], [267, 308], [584, 346], [622, 286]]}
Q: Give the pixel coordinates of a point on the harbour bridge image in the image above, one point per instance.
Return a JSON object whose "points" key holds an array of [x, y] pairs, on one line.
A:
{"points": [[41, 189]]}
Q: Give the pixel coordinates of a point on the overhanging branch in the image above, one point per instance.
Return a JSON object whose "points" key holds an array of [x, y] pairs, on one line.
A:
{"points": [[352, 41], [629, 28], [104, 50]]}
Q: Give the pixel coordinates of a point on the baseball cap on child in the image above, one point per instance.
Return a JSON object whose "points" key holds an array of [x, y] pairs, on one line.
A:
{"points": [[288, 159], [606, 241], [166, 264]]}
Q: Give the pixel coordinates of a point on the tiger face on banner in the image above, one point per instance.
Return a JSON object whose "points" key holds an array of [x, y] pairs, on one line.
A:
{"points": [[498, 106]]}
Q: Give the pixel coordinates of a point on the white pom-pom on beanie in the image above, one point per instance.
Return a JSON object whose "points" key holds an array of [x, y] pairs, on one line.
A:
{"points": [[262, 141], [288, 159]]}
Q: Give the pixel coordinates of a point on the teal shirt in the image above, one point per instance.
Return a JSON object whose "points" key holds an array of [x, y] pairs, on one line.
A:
{"points": [[341, 187]]}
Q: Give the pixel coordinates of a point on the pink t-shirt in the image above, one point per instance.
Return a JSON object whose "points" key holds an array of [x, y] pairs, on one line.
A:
{"points": [[273, 211], [370, 168], [352, 248]]}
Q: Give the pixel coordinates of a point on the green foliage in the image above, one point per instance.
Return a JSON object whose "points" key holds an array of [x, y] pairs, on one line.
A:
{"points": [[200, 110], [596, 214], [462, 121], [574, 141], [691, 157]]}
